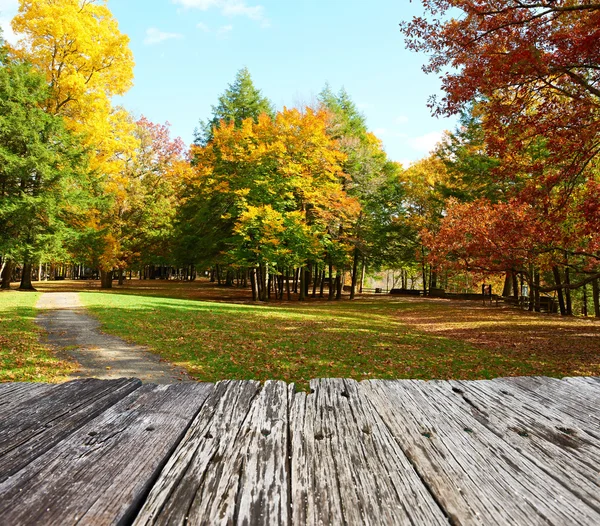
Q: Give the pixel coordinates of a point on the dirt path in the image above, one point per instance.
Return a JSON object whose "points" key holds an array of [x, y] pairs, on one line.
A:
{"points": [[77, 334]]}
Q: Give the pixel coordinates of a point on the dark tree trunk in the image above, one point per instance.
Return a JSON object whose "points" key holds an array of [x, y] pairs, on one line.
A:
{"points": [[253, 284], [317, 275], [515, 285], [322, 283], [106, 279], [338, 285], [26, 277], [121, 276], [287, 284], [331, 290], [569, 305], [302, 296], [536, 290], [506, 290], [561, 300], [7, 275], [584, 308], [212, 274], [362, 274], [354, 274], [596, 297]]}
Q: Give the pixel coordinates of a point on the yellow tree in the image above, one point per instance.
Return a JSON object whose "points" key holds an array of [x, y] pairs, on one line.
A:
{"points": [[77, 45]]}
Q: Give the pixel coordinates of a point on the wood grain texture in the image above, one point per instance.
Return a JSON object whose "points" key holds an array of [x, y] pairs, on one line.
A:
{"points": [[231, 466], [14, 394], [555, 443], [102, 472], [346, 466], [37, 424], [476, 476], [593, 381], [579, 403]]}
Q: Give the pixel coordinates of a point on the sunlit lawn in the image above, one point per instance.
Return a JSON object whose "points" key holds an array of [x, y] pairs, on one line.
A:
{"points": [[369, 338], [22, 357], [217, 333]]}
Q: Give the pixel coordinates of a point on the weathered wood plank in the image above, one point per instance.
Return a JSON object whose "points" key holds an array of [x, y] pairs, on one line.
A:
{"points": [[477, 477], [14, 394], [593, 381], [579, 404], [552, 441], [102, 472], [346, 466], [38, 424], [231, 465]]}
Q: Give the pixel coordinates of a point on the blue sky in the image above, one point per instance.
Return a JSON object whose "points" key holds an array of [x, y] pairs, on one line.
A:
{"points": [[188, 51]]}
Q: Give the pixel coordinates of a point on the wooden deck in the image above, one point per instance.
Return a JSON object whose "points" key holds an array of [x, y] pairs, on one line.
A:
{"points": [[506, 451]]}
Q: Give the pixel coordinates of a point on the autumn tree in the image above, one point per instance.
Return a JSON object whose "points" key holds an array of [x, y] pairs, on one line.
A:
{"points": [[264, 195], [77, 46], [530, 68]]}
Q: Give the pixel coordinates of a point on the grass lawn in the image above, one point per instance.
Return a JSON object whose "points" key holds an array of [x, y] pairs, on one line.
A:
{"points": [[22, 357], [379, 337]]}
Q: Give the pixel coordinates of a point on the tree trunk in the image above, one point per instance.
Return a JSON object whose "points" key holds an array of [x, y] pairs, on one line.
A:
{"points": [[569, 304], [354, 274], [253, 284], [424, 271], [322, 283], [26, 277], [596, 297], [338, 285], [7, 275], [515, 285], [39, 275], [302, 296], [584, 307], [317, 275], [121, 276], [362, 274], [536, 290], [506, 290], [287, 284], [106, 279], [561, 300], [331, 291]]}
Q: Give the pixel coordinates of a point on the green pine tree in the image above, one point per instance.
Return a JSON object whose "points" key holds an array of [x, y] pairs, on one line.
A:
{"points": [[241, 100], [39, 170]]}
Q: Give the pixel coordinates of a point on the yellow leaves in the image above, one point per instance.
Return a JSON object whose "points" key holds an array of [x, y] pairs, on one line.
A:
{"points": [[79, 47], [86, 60]]}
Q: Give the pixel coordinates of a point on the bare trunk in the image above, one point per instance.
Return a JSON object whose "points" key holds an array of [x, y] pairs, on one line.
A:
{"points": [[569, 304], [354, 274], [561, 300], [106, 279], [302, 284], [7, 275], [26, 277], [596, 297]]}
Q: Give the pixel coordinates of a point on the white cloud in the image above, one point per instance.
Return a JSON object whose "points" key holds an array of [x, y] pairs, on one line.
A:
{"points": [[203, 27], [380, 132], [228, 8], [425, 143], [402, 119], [223, 30], [155, 36], [8, 9]]}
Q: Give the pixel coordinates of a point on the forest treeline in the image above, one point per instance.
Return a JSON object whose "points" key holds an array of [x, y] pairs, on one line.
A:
{"points": [[305, 200]]}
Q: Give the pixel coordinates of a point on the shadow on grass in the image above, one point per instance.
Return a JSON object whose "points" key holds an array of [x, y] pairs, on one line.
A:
{"points": [[296, 343]]}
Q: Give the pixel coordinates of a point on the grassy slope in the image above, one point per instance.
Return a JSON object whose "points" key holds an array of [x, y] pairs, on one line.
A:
{"points": [[297, 342], [22, 357]]}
